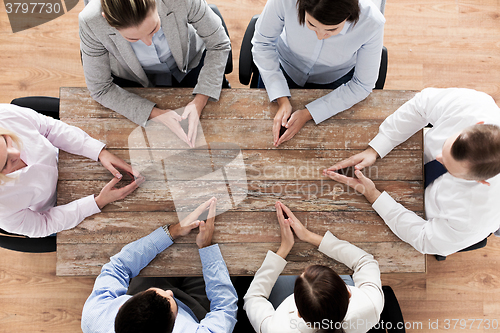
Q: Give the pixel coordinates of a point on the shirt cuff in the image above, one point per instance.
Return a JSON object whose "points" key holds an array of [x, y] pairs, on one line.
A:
{"points": [[89, 206], [93, 148], [319, 110], [383, 206], [278, 262], [328, 238], [277, 89], [160, 239], [141, 117], [381, 144], [210, 254]]}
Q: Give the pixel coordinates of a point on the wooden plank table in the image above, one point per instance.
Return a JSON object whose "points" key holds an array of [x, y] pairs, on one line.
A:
{"points": [[290, 173]]}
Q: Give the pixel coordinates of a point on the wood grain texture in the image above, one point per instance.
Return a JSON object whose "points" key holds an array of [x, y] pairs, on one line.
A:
{"points": [[183, 259], [259, 164], [341, 134], [231, 227], [313, 196], [233, 103], [225, 149]]}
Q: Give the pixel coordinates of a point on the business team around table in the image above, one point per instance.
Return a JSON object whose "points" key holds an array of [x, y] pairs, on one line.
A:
{"points": [[330, 44]]}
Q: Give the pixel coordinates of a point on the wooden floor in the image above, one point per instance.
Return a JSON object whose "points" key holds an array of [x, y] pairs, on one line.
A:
{"points": [[431, 43]]}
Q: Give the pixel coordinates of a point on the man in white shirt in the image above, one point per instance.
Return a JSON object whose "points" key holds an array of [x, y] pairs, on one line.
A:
{"points": [[461, 205]]}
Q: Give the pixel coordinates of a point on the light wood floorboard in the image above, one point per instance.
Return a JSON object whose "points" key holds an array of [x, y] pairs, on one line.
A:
{"points": [[431, 44]]}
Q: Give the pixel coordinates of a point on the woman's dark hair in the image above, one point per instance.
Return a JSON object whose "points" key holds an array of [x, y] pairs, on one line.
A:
{"points": [[329, 12], [122, 14], [479, 146], [320, 296], [145, 312]]}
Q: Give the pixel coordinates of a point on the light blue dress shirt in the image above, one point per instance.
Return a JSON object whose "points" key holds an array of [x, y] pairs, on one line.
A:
{"points": [[111, 286], [280, 39], [157, 60]]}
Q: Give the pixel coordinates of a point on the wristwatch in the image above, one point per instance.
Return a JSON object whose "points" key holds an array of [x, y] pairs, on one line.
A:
{"points": [[165, 227]]}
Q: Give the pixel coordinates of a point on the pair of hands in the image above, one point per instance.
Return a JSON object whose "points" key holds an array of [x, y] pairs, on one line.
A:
{"points": [[289, 223], [109, 193], [362, 184], [190, 222], [172, 119], [293, 125]]}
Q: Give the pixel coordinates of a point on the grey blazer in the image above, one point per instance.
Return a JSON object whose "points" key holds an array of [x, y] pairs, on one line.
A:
{"points": [[190, 27]]}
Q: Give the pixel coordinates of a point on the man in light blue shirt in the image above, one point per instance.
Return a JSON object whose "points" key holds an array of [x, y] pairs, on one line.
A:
{"points": [[109, 309]]}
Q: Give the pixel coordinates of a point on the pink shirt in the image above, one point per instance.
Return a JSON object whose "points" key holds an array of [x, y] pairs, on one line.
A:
{"points": [[27, 203]]}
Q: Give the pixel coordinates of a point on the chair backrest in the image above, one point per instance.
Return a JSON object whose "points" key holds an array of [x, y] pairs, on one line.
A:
{"points": [[247, 69], [48, 106], [390, 314]]}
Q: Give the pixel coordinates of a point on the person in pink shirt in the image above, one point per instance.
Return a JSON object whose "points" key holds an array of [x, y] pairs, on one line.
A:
{"points": [[29, 149]]}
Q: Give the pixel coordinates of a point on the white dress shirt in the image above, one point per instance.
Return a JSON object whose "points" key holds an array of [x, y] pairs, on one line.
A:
{"points": [[27, 202], [365, 304], [157, 60], [280, 39], [459, 212]]}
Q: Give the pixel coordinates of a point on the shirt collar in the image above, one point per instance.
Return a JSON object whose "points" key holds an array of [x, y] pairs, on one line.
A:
{"points": [[347, 25]]}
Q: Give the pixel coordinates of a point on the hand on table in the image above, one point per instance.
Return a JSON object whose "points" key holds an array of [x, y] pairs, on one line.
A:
{"points": [[172, 119], [111, 162], [110, 194], [295, 123], [204, 237], [191, 221], [192, 113], [359, 161], [362, 184], [287, 240], [300, 230], [281, 117]]}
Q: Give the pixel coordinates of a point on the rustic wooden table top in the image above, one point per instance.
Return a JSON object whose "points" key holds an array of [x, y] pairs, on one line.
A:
{"points": [[290, 173]]}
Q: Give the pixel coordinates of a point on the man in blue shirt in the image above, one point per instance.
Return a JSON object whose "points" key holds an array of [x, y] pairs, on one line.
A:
{"points": [[109, 308]]}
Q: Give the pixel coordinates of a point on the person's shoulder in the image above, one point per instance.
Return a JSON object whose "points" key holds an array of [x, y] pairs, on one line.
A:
{"points": [[370, 14], [92, 12], [13, 115], [175, 5], [464, 97]]}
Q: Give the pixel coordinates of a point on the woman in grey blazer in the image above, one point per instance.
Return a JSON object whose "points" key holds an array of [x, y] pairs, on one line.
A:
{"points": [[153, 43]]}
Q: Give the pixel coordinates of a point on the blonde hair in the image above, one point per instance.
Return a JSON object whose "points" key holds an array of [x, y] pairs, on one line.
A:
{"points": [[5, 132], [122, 14]]}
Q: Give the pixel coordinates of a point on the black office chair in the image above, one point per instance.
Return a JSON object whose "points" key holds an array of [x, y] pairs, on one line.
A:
{"points": [[48, 106], [476, 246], [249, 73], [391, 316]]}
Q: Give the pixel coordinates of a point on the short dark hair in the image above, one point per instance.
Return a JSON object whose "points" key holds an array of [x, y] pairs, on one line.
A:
{"points": [[145, 312], [479, 146], [321, 294], [122, 14], [329, 12]]}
